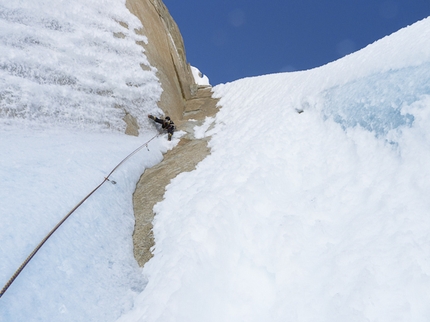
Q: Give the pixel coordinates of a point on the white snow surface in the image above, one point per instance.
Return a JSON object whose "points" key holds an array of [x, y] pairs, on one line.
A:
{"points": [[315, 216], [86, 271], [321, 215], [199, 77], [73, 62], [63, 75]]}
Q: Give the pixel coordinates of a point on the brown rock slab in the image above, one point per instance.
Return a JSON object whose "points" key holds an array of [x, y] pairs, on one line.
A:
{"points": [[166, 52], [151, 186]]}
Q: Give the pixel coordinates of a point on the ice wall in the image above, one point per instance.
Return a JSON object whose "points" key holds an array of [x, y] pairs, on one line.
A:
{"points": [[375, 102]]}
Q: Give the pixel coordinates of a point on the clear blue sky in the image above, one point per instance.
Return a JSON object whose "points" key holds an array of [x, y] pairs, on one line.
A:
{"points": [[232, 39]]}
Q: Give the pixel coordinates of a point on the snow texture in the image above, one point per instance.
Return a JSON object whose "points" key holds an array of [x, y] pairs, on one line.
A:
{"points": [[199, 78], [73, 63], [66, 70], [313, 204]]}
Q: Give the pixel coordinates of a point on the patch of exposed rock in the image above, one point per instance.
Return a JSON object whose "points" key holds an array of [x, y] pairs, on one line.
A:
{"points": [[183, 158], [165, 51], [181, 99]]}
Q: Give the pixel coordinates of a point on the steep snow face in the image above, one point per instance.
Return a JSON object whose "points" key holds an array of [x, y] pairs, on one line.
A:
{"points": [[86, 270], [320, 215], [74, 63], [68, 70]]}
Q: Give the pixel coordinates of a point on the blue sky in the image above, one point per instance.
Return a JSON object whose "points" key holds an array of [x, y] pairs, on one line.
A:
{"points": [[232, 39]]}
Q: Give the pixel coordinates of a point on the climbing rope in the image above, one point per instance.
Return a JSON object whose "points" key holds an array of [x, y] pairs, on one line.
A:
{"points": [[19, 270]]}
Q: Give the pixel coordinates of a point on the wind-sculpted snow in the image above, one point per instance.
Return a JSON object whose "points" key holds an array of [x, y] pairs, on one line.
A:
{"points": [[73, 63], [311, 216]]}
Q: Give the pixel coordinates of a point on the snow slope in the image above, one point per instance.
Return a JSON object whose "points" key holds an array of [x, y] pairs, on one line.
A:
{"points": [[315, 216], [63, 76], [86, 271]]}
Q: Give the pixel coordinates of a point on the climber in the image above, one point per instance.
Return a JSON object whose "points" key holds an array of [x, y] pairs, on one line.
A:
{"points": [[166, 124]]}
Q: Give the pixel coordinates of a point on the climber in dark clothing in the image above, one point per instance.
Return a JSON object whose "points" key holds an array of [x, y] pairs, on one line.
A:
{"points": [[167, 124]]}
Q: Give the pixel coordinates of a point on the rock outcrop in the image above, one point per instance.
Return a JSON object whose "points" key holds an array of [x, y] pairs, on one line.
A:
{"points": [[151, 186], [166, 52], [187, 103]]}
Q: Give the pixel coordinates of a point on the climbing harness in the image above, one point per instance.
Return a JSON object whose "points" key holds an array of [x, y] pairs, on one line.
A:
{"points": [[27, 260]]}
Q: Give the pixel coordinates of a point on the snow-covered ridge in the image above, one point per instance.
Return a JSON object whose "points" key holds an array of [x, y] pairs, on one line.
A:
{"points": [[393, 73]]}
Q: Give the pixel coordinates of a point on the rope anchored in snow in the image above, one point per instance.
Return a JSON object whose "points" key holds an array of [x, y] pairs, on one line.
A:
{"points": [[27, 260]]}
